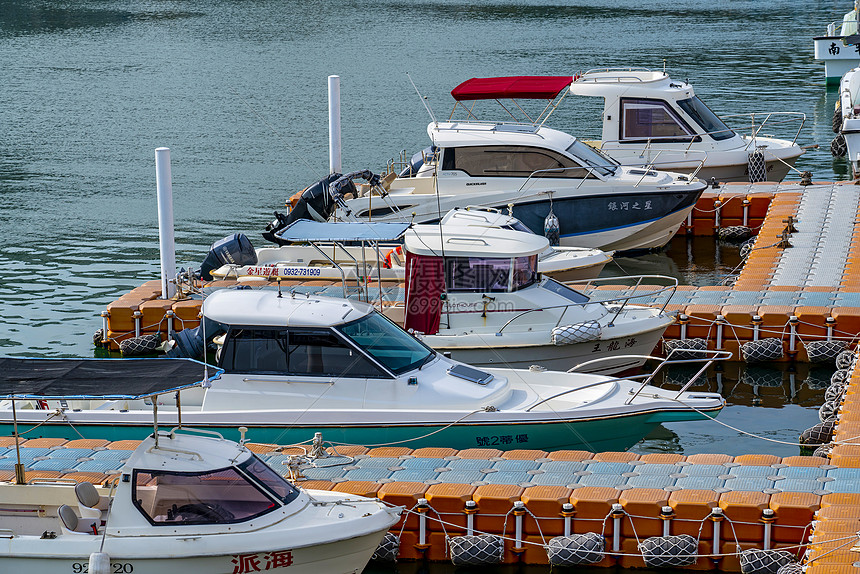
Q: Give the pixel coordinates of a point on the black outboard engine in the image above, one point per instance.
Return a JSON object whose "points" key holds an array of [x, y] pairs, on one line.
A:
{"points": [[314, 203], [234, 249], [319, 201]]}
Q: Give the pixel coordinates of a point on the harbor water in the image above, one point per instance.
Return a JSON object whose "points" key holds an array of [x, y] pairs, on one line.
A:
{"points": [[237, 90]]}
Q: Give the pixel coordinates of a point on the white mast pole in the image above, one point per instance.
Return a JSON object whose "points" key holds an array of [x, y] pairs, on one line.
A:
{"points": [[166, 243], [334, 147]]}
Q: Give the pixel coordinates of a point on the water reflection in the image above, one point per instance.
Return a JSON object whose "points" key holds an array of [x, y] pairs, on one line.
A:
{"points": [[766, 410]]}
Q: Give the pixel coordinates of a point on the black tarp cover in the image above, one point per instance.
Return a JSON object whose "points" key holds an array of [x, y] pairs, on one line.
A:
{"points": [[98, 378]]}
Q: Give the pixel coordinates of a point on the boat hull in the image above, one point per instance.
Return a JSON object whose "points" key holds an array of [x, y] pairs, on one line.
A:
{"points": [[614, 221], [561, 357], [596, 433], [837, 57], [31, 555]]}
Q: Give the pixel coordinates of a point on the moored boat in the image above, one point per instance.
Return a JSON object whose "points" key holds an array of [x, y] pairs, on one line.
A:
{"points": [[536, 170], [838, 48], [651, 119], [294, 365], [187, 502]]}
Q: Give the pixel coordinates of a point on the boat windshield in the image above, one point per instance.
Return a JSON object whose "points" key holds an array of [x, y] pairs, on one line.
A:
{"points": [[707, 119], [223, 496], [393, 347], [490, 274], [565, 291], [518, 225], [602, 164]]}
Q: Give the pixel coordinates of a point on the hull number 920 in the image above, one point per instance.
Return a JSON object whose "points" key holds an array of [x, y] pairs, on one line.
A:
{"points": [[115, 567]]}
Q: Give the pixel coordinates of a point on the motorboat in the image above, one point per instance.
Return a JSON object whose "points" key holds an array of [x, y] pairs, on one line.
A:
{"points": [[474, 292], [839, 48], [374, 251], [496, 307], [191, 502], [543, 174], [847, 121], [560, 263], [294, 365], [651, 119]]}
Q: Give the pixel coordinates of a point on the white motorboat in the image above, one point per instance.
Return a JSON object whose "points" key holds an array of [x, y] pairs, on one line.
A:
{"points": [[352, 253], [839, 48], [652, 120], [474, 292], [560, 263], [294, 365], [847, 121], [190, 503], [546, 175]]}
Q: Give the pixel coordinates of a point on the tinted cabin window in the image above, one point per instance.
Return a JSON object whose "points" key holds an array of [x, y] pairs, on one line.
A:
{"points": [[213, 497], [489, 274], [511, 161], [295, 352], [388, 343], [703, 116], [651, 119]]}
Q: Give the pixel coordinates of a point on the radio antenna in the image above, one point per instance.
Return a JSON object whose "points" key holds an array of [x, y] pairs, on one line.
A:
{"points": [[423, 99]]}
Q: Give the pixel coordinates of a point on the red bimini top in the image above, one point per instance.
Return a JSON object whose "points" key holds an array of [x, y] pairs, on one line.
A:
{"points": [[511, 87]]}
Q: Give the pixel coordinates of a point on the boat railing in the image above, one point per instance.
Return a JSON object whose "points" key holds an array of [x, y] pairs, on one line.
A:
{"points": [[708, 357], [589, 77], [771, 119], [622, 299]]}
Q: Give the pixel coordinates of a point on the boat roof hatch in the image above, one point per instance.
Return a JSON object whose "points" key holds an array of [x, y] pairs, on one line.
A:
{"points": [[465, 241], [267, 308], [46, 378], [307, 230]]}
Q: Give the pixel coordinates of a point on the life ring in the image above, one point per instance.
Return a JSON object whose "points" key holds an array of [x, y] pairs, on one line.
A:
{"points": [[393, 257]]}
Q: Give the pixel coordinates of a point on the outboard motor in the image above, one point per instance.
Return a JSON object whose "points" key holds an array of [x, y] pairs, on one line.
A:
{"points": [[314, 203], [234, 249], [187, 344], [319, 201]]}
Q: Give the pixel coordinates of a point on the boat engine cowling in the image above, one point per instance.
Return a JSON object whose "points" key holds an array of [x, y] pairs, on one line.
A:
{"points": [[315, 203], [234, 249]]}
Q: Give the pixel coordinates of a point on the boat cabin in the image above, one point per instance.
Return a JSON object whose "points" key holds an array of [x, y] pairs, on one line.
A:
{"points": [[465, 259], [642, 106], [259, 333], [185, 480]]}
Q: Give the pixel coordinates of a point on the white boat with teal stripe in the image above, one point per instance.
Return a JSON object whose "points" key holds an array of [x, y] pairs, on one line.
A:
{"points": [[294, 365]]}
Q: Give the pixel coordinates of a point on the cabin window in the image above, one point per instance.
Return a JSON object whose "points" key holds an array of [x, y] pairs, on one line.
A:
{"points": [[387, 343], [489, 274], [708, 120], [317, 352], [512, 161], [603, 164], [222, 496], [652, 119]]}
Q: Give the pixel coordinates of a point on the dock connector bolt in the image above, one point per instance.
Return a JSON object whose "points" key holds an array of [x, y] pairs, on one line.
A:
{"points": [[768, 517], [667, 513], [421, 509], [519, 511], [567, 512], [682, 321], [470, 510]]}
